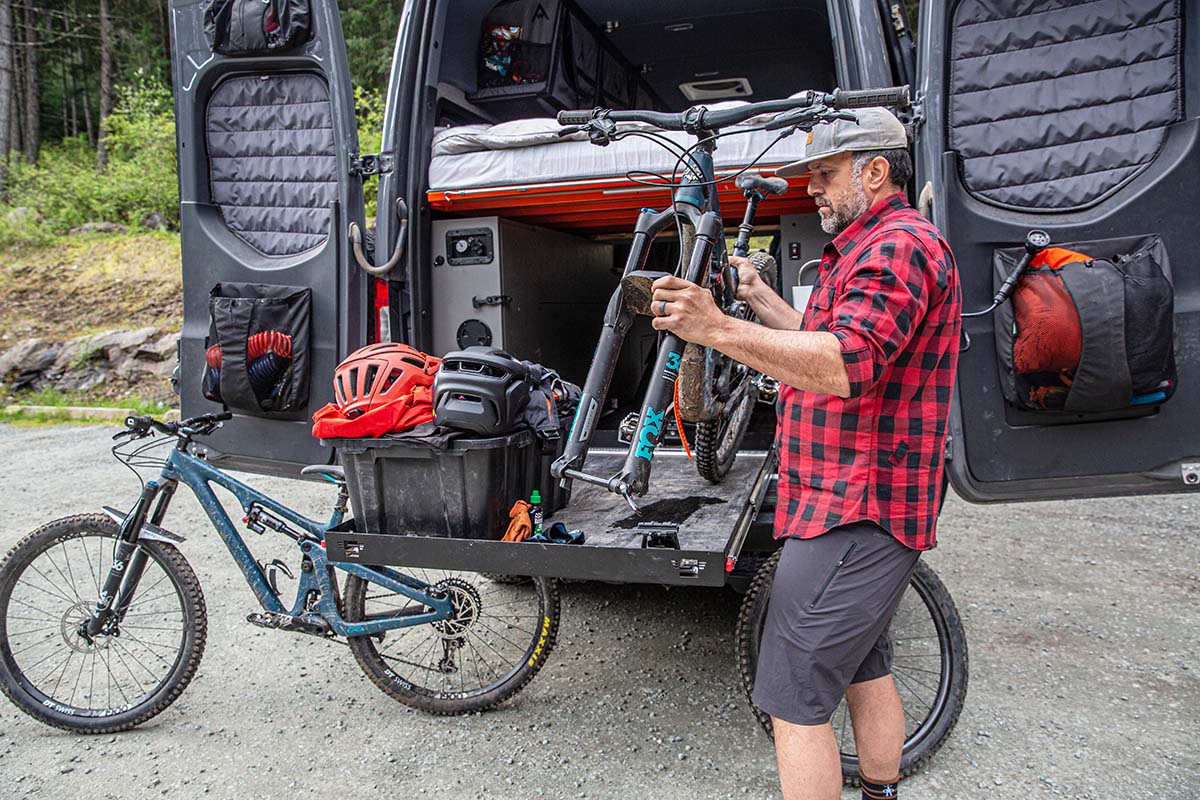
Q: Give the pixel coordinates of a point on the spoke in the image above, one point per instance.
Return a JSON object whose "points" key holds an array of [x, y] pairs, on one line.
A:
{"points": [[27, 648], [91, 569], [150, 647], [125, 664], [35, 608], [53, 620], [61, 574], [907, 668], [914, 693], [40, 661], [487, 628], [148, 589], [52, 628], [152, 599], [149, 628], [62, 674], [70, 572], [46, 677], [113, 678], [919, 683], [57, 595]]}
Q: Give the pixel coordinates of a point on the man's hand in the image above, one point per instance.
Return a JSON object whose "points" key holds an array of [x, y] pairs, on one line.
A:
{"points": [[686, 310], [748, 278]]}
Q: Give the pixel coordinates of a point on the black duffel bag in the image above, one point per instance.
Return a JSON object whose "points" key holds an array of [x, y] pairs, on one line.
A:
{"points": [[256, 27]]}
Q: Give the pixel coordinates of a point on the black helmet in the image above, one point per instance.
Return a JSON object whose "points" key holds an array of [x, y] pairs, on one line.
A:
{"points": [[481, 389]]}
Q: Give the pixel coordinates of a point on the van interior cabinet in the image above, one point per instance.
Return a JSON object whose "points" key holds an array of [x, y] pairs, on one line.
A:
{"points": [[539, 294]]}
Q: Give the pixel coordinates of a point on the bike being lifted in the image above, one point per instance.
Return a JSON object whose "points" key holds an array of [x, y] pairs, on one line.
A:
{"points": [[701, 385]]}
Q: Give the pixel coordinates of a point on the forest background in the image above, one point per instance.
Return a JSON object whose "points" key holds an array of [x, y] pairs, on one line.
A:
{"points": [[87, 131]]}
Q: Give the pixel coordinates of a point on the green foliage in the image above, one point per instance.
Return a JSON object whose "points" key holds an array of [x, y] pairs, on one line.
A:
{"points": [[68, 189], [368, 107], [369, 27]]}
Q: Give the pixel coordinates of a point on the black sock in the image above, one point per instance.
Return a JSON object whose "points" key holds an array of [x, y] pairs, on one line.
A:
{"points": [[879, 791]]}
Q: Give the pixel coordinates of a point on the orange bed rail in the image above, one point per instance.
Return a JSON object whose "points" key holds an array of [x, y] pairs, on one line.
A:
{"points": [[605, 205]]}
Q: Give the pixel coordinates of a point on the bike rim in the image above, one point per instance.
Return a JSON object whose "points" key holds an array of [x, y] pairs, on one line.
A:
{"points": [[912, 674], [493, 632], [120, 669]]}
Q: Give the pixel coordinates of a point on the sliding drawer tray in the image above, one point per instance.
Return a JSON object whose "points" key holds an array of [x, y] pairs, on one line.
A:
{"points": [[710, 522]]}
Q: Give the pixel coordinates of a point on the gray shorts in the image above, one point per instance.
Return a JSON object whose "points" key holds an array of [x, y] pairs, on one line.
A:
{"points": [[826, 627]]}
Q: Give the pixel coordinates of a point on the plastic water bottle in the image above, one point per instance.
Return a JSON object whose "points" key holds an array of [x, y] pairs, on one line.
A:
{"points": [[535, 511]]}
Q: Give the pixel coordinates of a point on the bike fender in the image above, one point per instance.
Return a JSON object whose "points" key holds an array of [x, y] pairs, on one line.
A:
{"points": [[148, 531]]}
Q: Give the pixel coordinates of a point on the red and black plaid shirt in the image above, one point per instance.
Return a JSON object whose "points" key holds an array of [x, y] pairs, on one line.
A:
{"points": [[888, 289]]}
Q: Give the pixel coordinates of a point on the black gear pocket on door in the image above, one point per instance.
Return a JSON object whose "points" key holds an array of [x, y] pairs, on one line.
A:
{"points": [[256, 357]]}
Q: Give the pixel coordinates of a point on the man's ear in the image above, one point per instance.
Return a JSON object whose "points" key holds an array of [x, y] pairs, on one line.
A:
{"points": [[876, 173]]}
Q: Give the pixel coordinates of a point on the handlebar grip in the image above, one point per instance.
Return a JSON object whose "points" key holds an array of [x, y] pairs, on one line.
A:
{"points": [[898, 96], [135, 423], [224, 416], [576, 117]]}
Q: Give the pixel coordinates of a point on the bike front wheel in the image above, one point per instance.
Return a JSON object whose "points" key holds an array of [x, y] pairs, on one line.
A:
{"points": [[498, 636], [115, 680]]}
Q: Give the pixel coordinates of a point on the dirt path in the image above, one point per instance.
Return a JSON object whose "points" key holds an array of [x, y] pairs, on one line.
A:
{"points": [[1083, 621]]}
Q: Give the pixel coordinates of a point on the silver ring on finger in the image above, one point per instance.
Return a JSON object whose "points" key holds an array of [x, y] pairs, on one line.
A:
{"points": [[662, 308]]}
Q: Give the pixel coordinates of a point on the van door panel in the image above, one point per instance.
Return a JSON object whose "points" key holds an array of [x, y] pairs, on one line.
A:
{"points": [[1099, 190], [266, 193]]}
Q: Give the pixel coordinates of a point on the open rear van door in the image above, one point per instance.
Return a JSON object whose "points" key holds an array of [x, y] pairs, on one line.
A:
{"points": [[1079, 120], [267, 150]]}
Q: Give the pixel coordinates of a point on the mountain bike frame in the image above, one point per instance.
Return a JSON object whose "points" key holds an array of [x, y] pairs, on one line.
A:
{"points": [[696, 204], [316, 580]]}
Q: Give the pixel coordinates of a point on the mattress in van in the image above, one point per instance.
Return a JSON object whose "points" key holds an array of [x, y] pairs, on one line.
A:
{"points": [[524, 170]]}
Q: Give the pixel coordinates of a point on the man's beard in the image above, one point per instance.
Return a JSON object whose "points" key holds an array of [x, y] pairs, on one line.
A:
{"points": [[850, 206]]}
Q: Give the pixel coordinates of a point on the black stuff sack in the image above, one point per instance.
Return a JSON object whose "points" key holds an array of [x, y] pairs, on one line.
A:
{"points": [[256, 27], [1090, 328]]}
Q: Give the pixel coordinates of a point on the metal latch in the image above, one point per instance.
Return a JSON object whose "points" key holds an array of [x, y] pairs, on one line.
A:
{"points": [[689, 567], [491, 300], [1191, 473], [659, 534], [371, 164]]}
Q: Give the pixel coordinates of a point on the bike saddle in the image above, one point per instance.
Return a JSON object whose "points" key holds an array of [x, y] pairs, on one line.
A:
{"points": [[334, 474], [753, 182]]}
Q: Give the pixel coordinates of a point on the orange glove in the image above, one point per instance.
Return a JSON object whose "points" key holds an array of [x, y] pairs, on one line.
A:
{"points": [[519, 526]]}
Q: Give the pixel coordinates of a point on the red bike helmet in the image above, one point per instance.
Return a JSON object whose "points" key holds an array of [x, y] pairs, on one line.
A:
{"points": [[379, 373]]}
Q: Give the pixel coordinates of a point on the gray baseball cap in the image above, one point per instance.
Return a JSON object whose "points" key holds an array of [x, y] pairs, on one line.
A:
{"points": [[875, 129]]}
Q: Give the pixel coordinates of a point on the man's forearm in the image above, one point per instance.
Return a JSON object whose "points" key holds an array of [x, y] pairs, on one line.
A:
{"points": [[773, 311], [808, 360]]}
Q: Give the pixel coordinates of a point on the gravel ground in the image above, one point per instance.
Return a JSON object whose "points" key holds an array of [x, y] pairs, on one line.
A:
{"points": [[1082, 619]]}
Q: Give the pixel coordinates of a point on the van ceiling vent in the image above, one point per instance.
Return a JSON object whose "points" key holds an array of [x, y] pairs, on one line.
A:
{"points": [[1056, 108], [711, 90]]}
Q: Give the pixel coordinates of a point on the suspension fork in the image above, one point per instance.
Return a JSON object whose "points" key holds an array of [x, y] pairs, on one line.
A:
{"points": [[617, 320], [635, 476], [129, 560]]}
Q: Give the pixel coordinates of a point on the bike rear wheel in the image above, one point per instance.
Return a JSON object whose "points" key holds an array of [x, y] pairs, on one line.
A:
{"points": [[136, 667], [929, 666], [498, 636]]}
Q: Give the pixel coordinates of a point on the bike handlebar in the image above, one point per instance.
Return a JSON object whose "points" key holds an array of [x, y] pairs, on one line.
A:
{"points": [[867, 98], [140, 426], [701, 118]]}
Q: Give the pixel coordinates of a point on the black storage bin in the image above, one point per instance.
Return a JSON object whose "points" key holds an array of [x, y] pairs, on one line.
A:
{"points": [[537, 57], [404, 486]]}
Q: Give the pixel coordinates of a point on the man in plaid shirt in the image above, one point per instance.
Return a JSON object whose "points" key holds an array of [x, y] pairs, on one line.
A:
{"points": [[867, 370]]}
